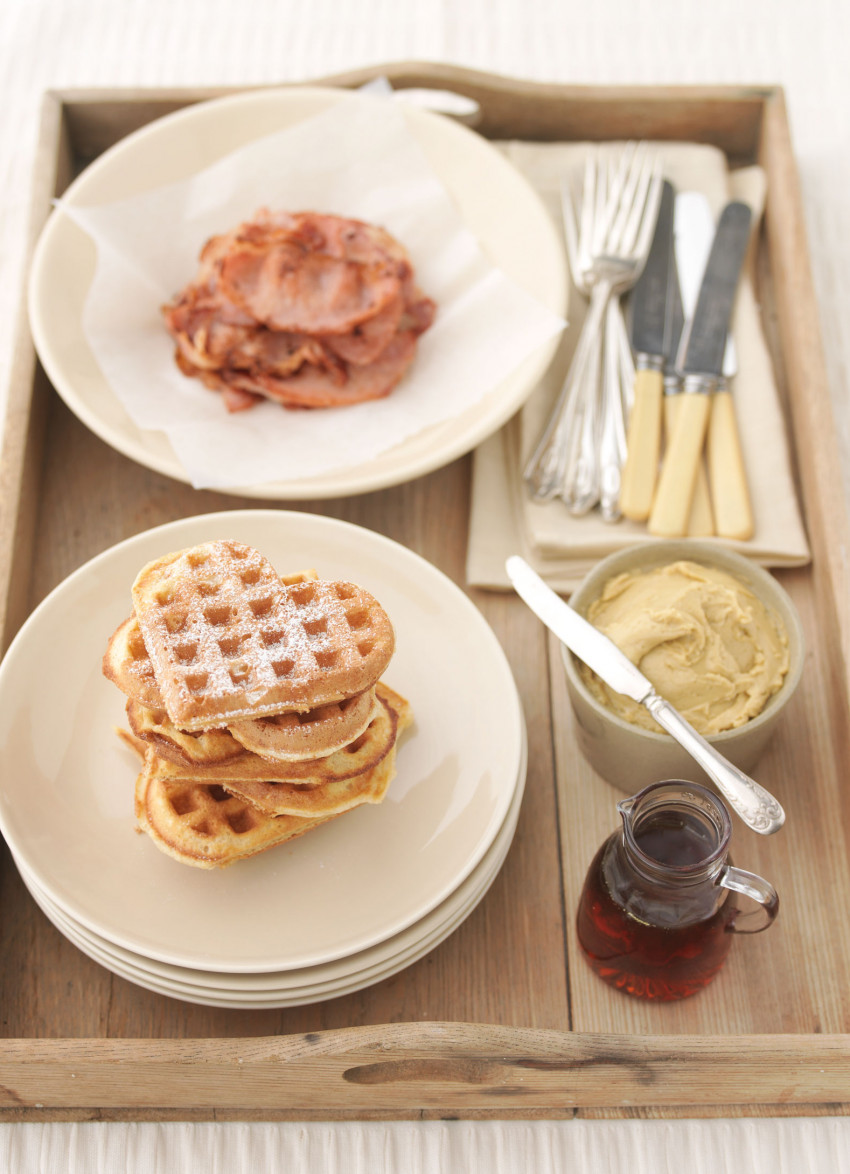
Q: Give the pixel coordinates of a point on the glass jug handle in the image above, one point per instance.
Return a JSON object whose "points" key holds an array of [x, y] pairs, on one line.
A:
{"points": [[758, 890]]}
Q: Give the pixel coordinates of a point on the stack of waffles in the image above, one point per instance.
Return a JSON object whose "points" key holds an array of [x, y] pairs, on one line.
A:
{"points": [[254, 701]]}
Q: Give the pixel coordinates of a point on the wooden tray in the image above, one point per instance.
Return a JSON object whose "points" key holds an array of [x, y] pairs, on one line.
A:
{"points": [[504, 1019]]}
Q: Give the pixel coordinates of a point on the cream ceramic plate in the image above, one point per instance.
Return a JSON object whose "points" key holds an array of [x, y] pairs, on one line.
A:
{"points": [[66, 794], [223, 994], [279, 990], [497, 204], [364, 967], [224, 997]]}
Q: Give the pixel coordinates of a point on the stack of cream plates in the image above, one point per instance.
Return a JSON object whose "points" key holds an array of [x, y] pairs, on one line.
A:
{"points": [[349, 904]]}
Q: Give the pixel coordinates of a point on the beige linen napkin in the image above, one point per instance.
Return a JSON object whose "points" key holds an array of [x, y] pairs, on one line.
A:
{"points": [[563, 548]]}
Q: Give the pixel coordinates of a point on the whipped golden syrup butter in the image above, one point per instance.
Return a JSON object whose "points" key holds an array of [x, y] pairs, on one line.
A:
{"points": [[704, 640]]}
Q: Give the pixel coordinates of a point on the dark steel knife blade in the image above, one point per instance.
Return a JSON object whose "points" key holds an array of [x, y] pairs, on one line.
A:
{"points": [[675, 323], [649, 296], [706, 341]]}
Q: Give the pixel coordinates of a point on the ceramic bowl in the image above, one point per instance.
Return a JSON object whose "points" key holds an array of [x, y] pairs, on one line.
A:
{"points": [[630, 757]]}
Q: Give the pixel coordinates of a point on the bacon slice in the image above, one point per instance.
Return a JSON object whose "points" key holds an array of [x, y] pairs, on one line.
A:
{"points": [[308, 309], [236, 400], [365, 342], [313, 388]]}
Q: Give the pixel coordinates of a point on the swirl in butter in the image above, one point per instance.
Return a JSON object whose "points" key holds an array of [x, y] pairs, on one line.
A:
{"points": [[704, 640]]}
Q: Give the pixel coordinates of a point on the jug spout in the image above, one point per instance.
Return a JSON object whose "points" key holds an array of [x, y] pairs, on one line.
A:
{"points": [[625, 808]]}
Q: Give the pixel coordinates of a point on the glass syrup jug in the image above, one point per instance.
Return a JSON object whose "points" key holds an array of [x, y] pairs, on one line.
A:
{"points": [[655, 917]]}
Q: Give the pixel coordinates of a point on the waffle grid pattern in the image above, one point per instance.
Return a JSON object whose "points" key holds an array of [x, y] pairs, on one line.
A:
{"points": [[227, 641], [204, 825]]}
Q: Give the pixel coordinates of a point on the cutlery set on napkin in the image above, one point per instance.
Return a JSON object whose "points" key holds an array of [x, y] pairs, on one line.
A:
{"points": [[681, 356], [695, 464]]}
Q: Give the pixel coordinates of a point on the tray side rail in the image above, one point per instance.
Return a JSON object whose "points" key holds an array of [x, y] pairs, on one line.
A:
{"points": [[28, 393], [449, 1068], [810, 405]]}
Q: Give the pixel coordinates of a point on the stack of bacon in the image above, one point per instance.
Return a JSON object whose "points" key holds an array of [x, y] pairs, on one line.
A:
{"points": [[307, 309]]}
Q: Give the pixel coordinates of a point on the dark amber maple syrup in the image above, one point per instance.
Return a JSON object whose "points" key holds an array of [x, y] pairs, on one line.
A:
{"points": [[625, 948]]}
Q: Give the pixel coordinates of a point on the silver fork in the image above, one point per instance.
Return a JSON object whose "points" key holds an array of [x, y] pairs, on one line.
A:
{"points": [[614, 392], [617, 386], [606, 250]]}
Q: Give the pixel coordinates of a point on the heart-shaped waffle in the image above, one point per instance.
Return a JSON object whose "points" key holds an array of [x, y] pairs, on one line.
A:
{"points": [[296, 737], [156, 729], [287, 798], [228, 641], [365, 752], [203, 825], [287, 737], [335, 794], [126, 662]]}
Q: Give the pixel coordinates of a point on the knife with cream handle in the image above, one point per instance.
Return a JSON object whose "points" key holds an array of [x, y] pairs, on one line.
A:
{"points": [[701, 516], [693, 230], [700, 520], [756, 806], [649, 304], [701, 364], [730, 494]]}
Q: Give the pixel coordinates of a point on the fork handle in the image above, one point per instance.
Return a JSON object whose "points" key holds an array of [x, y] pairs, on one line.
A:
{"points": [[547, 468], [581, 484], [643, 445]]}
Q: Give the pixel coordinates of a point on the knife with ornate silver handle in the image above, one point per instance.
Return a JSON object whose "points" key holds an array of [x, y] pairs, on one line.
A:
{"points": [[756, 806]]}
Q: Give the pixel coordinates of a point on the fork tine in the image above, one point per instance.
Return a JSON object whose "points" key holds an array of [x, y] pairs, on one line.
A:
{"points": [[616, 170], [571, 232], [588, 202], [638, 212], [621, 231], [623, 159], [601, 201], [613, 165], [585, 235]]}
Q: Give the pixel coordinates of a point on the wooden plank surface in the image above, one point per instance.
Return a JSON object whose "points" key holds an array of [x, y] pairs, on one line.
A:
{"points": [[504, 1019]]}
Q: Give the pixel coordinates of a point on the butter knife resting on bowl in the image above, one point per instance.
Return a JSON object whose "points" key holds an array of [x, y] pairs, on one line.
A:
{"points": [[756, 806]]}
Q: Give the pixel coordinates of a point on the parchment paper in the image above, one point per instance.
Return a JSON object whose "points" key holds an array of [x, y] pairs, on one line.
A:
{"points": [[357, 159]]}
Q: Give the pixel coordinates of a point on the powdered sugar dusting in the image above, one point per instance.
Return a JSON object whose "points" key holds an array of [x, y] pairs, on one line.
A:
{"points": [[228, 639]]}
